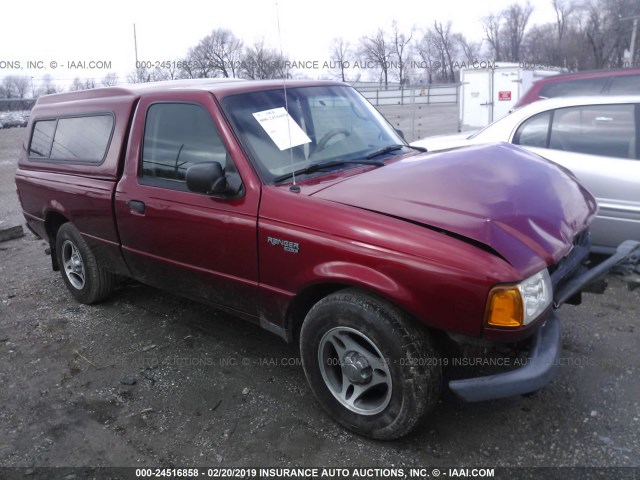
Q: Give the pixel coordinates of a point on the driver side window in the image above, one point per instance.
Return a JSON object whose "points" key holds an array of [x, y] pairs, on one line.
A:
{"points": [[177, 136]]}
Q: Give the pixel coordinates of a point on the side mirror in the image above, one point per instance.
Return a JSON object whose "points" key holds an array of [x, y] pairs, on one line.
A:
{"points": [[210, 178], [207, 178], [401, 133]]}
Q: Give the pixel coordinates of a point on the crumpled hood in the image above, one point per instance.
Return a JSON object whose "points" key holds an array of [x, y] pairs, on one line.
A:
{"points": [[524, 207]]}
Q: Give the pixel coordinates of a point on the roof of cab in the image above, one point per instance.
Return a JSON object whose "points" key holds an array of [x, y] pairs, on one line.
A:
{"points": [[213, 85]]}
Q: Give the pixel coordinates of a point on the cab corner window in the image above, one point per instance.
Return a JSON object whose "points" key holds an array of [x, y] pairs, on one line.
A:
{"points": [[177, 136]]}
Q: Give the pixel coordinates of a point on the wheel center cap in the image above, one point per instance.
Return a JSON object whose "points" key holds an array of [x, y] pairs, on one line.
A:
{"points": [[76, 264], [356, 368]]}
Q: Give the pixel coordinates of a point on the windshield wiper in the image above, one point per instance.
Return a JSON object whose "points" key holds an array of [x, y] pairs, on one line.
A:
{"points": [[393, 148], [316, 167]]}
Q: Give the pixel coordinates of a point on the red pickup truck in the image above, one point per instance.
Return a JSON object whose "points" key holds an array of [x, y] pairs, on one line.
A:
{"points": [[297, 206]]}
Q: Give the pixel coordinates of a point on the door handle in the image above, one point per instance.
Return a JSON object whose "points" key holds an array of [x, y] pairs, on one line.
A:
{"points": [[136, 206]]}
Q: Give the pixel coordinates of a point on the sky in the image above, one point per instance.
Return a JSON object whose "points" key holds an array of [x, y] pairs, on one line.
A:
{"points": [[61, 38]]}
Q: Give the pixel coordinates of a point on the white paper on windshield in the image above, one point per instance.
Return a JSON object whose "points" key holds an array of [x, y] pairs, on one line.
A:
{"points": [[283, 130]]}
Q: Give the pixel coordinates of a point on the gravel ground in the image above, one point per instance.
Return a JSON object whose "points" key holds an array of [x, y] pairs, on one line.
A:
{"points": [[150, 379]]}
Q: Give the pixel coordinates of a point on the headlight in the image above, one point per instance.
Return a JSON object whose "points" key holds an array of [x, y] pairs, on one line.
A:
{"points": [[520, 304]]}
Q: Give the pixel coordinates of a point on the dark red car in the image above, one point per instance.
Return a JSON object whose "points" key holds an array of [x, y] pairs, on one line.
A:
{"points": [[298, 207], [597, 82]]}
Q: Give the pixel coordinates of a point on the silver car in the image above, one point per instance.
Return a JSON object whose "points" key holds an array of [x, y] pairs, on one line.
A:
{"points": [[597, 138]]}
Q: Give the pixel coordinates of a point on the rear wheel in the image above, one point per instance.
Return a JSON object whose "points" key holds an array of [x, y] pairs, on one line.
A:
{"points": [[85, 278], [368, 365]]}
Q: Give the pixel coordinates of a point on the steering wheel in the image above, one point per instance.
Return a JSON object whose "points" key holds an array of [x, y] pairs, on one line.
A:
{"points": [[322, 143]]}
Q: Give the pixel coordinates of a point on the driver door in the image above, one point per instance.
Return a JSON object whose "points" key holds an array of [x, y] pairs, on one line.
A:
{"points": [[196, 245]]}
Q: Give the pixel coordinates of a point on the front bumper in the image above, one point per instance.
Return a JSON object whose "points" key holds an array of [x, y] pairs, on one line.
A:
{"points": [[542, 364]]}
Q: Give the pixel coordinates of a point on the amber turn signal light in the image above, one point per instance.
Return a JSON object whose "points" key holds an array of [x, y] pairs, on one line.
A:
{"points": [[504, 307]]}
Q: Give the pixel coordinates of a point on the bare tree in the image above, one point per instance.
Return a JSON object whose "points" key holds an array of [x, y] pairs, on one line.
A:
{"points": [[80, 84], [109, 80], [159, 74], [400, 49], [585, 34], [15, 86], [599, 32], [171, 71], [607, 28], [77, 85], [377, 50], [539, 47], [216, 55], [222, 50], [562, 43], [22, 83], [573, 54], [470, 50], [229, 52], [516, 19], [428, 57], [8, 87], [492, 26], [47, 87], [259, 62], [557, 51], [442, 40], [197, 64], [563, 10], [140, 75], [189, 68], [341, 55]]}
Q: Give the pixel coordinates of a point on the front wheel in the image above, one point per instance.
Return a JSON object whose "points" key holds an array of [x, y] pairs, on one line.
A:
{"points": [[368, 365], [86, 279]]}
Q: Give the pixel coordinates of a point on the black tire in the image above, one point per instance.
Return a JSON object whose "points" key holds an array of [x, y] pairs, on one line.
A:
{"points": [[86, 279], [362, 327]]}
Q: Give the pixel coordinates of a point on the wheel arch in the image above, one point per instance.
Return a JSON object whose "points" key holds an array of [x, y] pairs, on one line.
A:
{"points": [[53, 220], [304, 300]]}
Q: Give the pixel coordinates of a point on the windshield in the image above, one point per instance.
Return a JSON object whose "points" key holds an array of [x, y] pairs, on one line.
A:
{"points": [[331, 124]]}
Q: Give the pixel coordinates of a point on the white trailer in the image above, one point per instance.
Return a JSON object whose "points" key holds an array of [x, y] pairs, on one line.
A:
{"points": [[488, 94]]}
